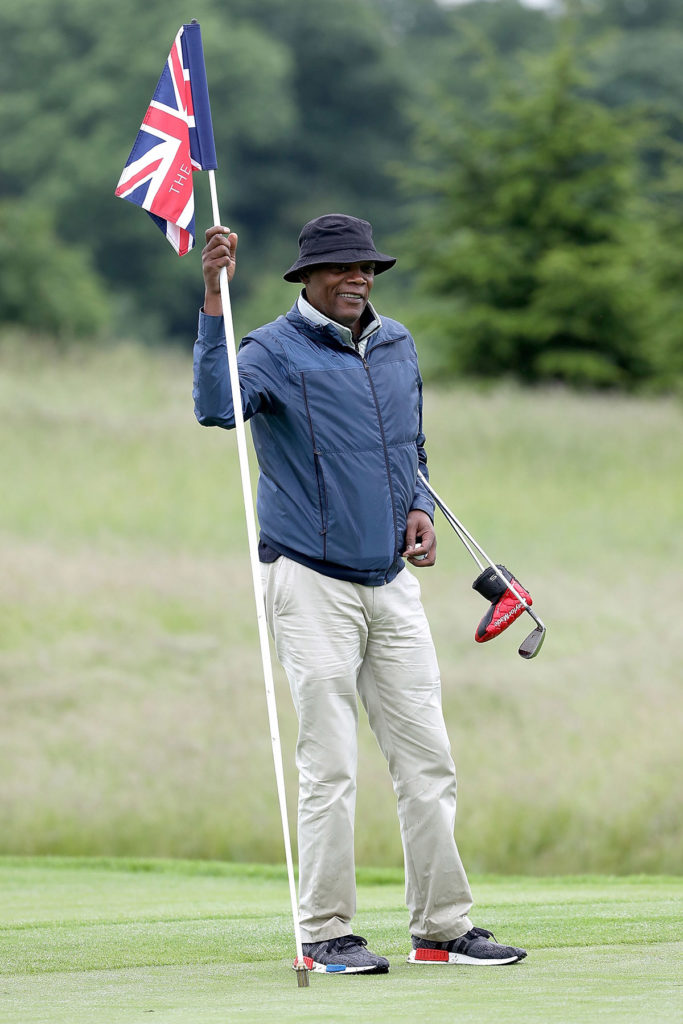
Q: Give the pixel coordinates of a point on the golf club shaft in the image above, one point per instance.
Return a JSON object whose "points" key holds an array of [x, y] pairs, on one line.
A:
{"points": [[461, 536], [466, 536]]}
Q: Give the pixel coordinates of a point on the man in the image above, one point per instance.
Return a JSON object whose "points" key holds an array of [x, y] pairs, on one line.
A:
{"points": [[335, 399]]}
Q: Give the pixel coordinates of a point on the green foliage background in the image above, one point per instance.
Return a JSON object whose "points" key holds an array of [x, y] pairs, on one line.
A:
{"points": [[524, 164], [525, 167]]}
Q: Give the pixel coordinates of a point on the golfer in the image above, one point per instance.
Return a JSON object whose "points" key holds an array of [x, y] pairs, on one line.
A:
{"points": [[334, 395]]}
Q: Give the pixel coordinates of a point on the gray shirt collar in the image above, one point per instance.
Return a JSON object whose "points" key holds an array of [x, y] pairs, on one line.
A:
{"points": [[314, 315]]}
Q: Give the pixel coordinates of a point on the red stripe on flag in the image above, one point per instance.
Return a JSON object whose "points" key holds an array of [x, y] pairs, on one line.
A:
{"points": [[175, 190], [167, 122], [184, 242], [130, 183], [177, 72]]}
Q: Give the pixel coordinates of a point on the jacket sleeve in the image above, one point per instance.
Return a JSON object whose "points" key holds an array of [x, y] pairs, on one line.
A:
{"points": [[422, 499], [264, 379]]}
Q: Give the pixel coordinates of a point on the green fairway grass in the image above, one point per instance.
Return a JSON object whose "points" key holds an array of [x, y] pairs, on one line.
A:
{"points": [[132, 712], [125, 942]]}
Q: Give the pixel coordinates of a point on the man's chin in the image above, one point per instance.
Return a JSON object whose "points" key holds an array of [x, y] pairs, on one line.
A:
{"points": [[349, 318]]}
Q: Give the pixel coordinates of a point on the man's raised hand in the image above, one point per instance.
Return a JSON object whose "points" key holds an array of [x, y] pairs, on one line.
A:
{"points": [[220, 251]]}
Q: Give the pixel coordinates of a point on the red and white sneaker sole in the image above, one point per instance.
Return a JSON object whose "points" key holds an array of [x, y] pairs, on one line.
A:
{"points": [[442, 956], [317, 968]]}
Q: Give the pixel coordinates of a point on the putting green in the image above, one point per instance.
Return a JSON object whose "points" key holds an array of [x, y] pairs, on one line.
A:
{"points": [[121, 942]]}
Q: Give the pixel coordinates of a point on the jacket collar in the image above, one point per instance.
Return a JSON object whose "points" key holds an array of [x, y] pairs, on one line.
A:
{"points": [[304, 315], [309, 312]]}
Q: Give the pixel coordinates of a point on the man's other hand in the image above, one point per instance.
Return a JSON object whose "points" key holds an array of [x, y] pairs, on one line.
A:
{"points": [[420, 540]]}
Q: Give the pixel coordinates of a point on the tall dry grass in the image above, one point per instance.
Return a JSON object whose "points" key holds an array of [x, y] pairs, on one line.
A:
{"points": [[132, 716]]}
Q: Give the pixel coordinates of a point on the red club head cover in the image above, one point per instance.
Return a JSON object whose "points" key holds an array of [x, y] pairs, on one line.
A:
{"points": [[504, 607]]}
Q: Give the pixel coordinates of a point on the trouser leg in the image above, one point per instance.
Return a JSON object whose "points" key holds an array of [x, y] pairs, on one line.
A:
{"points": [[320, 633], [400, 688]]}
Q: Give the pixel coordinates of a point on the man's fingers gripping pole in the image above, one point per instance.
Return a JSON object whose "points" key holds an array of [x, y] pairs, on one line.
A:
{"points": [[302, 972]]}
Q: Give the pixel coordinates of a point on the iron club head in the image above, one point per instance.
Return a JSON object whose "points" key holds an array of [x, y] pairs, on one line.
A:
{"points": [[530, 647]]}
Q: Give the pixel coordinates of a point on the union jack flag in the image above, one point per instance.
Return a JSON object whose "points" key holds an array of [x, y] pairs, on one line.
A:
{"points": [[175, 139]]}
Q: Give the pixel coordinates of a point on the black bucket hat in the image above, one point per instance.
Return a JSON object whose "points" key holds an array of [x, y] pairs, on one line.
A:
{"points": [[337, 238]]}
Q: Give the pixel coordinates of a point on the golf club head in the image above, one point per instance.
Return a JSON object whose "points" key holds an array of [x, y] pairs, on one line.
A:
{"points": [[530, 647]]}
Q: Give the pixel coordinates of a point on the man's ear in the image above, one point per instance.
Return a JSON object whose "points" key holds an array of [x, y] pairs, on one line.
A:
{"points": [[304, 277]]}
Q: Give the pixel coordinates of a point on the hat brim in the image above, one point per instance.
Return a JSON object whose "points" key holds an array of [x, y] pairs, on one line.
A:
{"points": [[381, 260]]}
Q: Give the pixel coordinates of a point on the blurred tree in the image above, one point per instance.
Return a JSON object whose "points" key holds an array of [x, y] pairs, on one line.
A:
{"points": [[45, 284], [661, 244], [349, 90], [307, 112], [81, 81], [508, 26], [629, 14], [642, 69], [312, 108], [529, 244], [635, 58]]}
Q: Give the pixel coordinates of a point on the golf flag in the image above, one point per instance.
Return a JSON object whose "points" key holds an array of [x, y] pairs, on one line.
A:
{"points": [[175, 139]]}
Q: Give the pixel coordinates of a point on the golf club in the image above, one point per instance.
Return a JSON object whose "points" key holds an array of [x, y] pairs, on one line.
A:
{"points": [[529, 647]]}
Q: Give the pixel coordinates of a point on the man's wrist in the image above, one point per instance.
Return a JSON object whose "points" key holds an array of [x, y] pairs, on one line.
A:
{"points": [[213, 305]]}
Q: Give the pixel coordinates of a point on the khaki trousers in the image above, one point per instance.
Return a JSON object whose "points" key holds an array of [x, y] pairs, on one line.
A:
{"points": [[338, 641]]}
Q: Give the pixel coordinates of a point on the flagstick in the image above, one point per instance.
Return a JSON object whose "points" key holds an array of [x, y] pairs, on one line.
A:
{"points": [[302, 973]]}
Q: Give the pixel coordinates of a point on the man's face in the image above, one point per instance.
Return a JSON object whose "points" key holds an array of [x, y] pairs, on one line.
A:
{"points": [[340, 290]]}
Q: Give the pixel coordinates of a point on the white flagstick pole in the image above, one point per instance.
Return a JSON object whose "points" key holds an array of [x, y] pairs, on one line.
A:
{"points": [[302, 973]]}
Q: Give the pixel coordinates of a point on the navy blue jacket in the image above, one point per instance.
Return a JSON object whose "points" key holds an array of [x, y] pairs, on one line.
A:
{"points": [[338, 438]]}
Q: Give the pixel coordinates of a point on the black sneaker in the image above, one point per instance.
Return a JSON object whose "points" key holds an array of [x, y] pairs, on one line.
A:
{"points": [[345, 955], [474, 947]]}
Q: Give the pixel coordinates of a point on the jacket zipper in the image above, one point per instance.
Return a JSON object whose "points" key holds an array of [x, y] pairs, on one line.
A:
{"points": [[319, 477], [384, 443]]}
